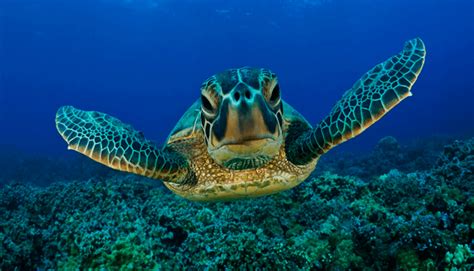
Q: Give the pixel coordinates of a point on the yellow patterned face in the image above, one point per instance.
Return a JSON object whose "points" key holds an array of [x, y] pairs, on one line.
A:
{"points": [[241, 114]]}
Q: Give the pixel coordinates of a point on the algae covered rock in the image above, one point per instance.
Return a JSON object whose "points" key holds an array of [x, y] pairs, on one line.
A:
{"points": [[388, 154], [419, 220], [455, 165]]}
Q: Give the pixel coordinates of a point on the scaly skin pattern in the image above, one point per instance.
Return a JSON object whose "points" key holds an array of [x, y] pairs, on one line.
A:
{"points": [[369, 99], [185, 165], [217, 183], [113, 143]]}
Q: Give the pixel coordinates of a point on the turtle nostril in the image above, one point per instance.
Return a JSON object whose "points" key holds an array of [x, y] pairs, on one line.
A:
{"points": [[247, 94], [236, 96]]}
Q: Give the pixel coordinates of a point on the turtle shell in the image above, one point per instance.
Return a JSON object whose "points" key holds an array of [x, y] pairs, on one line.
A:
{"points": [[187, 124]]}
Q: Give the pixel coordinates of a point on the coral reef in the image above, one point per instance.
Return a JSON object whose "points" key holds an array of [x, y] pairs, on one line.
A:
{"points": [[43, 170], [388, 154], [399, 219]]}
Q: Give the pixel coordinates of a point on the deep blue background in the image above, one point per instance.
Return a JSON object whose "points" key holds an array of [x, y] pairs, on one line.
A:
{"points": [[144, 61]]}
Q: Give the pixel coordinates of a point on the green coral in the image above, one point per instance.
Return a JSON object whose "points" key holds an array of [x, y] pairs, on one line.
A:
{"points": [[408, 260], [395, 221], [459, 257]]}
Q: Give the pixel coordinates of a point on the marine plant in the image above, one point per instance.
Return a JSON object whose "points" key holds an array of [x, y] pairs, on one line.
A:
{"points": [[420, 220]]}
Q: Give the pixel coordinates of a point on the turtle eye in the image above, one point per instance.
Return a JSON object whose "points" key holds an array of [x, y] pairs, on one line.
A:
{"points": [[274, 96], [207, 105]]}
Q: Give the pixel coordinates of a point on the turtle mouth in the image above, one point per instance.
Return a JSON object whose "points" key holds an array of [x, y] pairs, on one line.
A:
{"points": [[248, 148], [245, 153], [248, 141]]}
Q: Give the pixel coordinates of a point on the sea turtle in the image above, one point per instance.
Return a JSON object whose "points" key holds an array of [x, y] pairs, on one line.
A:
{"points": [[240, 139]]}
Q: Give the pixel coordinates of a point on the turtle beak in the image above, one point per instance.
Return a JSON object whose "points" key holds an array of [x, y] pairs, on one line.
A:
{"points": [[245, 123], [245, 131]]}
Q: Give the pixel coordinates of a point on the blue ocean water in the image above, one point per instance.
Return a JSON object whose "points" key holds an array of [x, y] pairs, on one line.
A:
{"points": [[143, 61], [398, 197]]}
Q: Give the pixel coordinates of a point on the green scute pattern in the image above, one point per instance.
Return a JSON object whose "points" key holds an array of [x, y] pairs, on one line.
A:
{"points": [[109, 141], [371, 97]]}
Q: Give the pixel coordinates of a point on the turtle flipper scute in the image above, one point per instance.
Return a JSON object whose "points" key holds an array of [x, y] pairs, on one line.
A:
{"points": [[370, 98], [113, 143]]}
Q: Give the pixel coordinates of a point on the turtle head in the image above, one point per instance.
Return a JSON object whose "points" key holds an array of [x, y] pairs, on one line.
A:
{"points": [[241, 114]]}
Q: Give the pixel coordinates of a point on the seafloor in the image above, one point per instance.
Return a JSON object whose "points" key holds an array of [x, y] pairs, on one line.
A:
{"points": [[398, 208]]}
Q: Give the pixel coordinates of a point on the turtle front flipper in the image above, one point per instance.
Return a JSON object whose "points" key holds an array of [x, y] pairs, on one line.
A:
{"points": [[107, 140], [370, 98]]}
